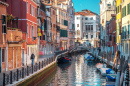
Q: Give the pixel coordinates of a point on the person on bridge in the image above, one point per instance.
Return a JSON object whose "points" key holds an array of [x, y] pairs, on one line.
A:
{"points": [[32, 58]]}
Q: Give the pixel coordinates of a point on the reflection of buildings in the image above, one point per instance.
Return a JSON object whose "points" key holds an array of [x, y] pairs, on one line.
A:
{"points": [[87, 27]]}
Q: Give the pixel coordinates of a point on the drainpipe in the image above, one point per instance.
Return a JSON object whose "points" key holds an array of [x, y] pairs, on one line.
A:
{"points": [[0, 60], [16, 57], [7, 58], [13, 57]]}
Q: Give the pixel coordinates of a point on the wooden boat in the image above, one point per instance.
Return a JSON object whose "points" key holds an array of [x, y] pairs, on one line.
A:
{"points": [[111, 76], [100, 65], [105, 71], [88, 57], [85, 56], [64, 59]]}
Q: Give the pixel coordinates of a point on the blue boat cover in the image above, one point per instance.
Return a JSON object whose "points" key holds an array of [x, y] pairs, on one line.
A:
{"points": [[88, 57], [110, 77], [108, 71]]}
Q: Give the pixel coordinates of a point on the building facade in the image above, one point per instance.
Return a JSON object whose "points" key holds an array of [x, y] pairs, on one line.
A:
{"points": [[87, 28], [118, 23], [3, 32], [27, 22], [111, 32], [125, 35], [106, 9]]}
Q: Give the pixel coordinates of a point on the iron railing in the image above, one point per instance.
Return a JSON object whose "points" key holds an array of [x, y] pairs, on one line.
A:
{"points": [[14, 75]]}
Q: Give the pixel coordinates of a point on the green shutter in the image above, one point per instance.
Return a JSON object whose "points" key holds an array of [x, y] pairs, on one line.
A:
{"points": [[125, 10], [129, 9], [129, 30], [122, 12]]}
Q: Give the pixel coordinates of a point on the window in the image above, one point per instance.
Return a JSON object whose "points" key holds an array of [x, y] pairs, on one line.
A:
{"points": [[62, 22], [86, 18], [4, 24], [32, 32], [129, 30], [43, 37], [86, 36], [124, 11], [28, 52], [77, 18], [128, 9], [91, 28], [78, 32], [108, 4], [27, 7], [126, 48], [53, 12], [3, 55], [28, 30], [110, 38], [77, 25], [91, 18], [30, 8], [91, 36]]}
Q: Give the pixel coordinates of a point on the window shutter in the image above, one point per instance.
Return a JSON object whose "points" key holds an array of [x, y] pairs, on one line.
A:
{"points": [[129, 30], [129, 8], [43, 37], [122, 11]]}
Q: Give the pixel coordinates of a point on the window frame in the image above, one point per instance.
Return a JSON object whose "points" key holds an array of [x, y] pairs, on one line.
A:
{"points": [[4, 30], [30, 9], [27, 6]]}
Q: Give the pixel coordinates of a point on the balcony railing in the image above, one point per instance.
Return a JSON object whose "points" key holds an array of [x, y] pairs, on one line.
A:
{"points": [[14, 34]]}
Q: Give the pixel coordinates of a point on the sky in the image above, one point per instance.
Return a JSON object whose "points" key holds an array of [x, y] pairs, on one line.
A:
{"points": [[92, 5]]}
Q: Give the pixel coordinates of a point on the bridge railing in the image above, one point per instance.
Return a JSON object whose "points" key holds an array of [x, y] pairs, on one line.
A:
{"points": [[14, 75]]}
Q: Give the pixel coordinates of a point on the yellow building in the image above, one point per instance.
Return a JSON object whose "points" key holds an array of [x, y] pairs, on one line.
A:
{"points": [[125, 39], [118, 23]]}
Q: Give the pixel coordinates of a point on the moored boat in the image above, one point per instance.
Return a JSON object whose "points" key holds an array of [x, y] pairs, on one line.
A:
{"points": [[105, 71], [64, 59], [88, 57], [100, 65], [111, 75]]}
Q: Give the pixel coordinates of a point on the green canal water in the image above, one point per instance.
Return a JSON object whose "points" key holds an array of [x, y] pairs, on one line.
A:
{"points": [[76, 73]]}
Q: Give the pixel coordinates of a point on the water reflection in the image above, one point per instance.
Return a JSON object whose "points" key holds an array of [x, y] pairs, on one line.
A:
{"points": [[77, 73]]}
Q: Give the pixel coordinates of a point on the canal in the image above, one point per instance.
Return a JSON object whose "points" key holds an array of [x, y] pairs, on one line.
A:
{"points": [[76, 73]]}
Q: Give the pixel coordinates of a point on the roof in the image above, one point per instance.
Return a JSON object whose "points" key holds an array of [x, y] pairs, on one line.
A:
{"points": [[85, 13]]}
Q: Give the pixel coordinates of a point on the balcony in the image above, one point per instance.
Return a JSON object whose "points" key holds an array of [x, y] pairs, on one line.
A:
{"points": [[14, 35]]}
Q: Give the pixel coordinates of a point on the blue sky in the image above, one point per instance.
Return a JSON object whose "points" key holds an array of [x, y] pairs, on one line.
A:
{"points": [[92, 5]]}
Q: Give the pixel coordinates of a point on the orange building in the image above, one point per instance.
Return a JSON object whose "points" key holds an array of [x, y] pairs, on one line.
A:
{"points": [[53, 29], [3, 32]]}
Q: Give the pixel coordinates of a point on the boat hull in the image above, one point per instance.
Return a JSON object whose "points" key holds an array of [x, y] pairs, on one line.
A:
{"points": [[63, 60]]}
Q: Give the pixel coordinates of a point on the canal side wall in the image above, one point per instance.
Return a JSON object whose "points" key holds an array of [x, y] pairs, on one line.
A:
{"points": [[39, 76]]}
